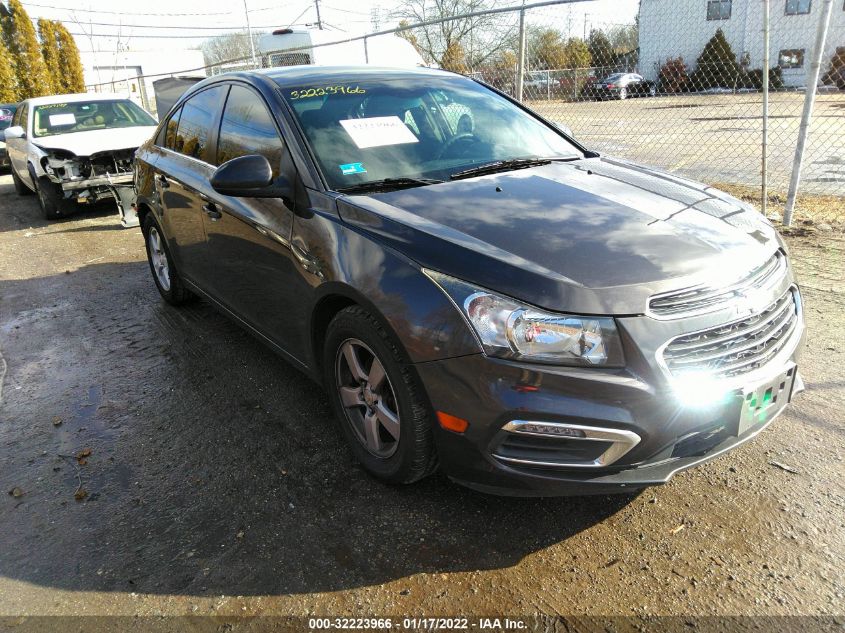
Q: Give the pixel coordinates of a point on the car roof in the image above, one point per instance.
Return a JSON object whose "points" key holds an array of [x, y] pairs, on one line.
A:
{"points": [[75, 98], [287, 76]]}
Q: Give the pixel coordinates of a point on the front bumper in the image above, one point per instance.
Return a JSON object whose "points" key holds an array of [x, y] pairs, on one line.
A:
{"points": [[491, 394], [101, 181]]}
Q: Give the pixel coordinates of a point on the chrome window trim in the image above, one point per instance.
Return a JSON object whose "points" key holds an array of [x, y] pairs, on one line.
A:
{"points": [[621, 443]]}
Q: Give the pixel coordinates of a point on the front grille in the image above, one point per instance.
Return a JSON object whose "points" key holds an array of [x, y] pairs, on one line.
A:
{"points": [[735, 348], [704, 298]]}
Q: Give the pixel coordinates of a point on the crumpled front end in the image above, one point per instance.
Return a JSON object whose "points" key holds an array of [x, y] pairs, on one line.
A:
{"points": [[89, 179]]}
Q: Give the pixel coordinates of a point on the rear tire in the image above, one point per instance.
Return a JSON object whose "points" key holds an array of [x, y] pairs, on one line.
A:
{"points": [[388, 395], [165, 275], [623, 93]]}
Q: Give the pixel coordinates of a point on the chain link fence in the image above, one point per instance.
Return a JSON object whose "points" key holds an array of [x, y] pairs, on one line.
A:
{"points": [[677, 84]]}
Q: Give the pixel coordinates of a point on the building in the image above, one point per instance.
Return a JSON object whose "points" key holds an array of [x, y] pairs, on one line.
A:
{"points": [[132, 73], [681, 28]]}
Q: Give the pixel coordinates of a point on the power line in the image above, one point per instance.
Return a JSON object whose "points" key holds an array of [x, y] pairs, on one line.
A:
{"points": [[171, 26], [151, 37], [74, 9], [331, 8]]}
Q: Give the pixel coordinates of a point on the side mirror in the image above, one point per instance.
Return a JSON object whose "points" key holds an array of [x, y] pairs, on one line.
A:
{"points": [[250, 177], [16, 131]]}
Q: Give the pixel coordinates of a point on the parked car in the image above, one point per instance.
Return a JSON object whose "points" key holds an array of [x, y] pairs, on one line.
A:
{"points": [[539, 84], [78, 148], [622, 86], [535, 318], [7, 111]]}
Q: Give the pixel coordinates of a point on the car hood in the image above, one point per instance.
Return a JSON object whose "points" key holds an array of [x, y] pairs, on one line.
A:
{"points": [[93, 141], [594, 236]]}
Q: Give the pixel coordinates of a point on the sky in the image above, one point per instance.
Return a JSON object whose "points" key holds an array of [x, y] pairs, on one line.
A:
{"points": [[155, 25]]}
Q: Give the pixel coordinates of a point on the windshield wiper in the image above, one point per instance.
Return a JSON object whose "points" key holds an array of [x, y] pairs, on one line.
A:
{"points": [[387, 184], [506, 165]]}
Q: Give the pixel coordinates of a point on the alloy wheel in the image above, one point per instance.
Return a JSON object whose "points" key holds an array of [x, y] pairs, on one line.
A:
{"points": [[369, 402], [158, 258]]}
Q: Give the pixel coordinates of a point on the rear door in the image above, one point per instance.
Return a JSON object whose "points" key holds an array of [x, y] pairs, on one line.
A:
{"points": [[249, 238], [182, 172]]}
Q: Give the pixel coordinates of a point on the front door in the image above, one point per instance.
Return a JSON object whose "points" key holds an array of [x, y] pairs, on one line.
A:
{"points": [[16, 147], [255, 274]]}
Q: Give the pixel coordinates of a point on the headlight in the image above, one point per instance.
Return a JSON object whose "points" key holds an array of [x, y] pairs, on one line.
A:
{"points": [[509, 329]]}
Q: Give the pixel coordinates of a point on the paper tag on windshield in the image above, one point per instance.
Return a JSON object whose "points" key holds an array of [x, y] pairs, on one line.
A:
{"points": [[378, 131], [63, 119]]}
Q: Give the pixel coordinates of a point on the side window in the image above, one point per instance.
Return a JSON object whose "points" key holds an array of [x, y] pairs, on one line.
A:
{"points": [[195, 121], [22, 116], [247, 128], [170, 131]]}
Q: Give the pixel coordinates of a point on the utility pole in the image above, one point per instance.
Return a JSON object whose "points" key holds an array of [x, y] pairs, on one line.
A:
{"points": [[319, 21], [586, 15], [520, 60], [764, 168], [807, 114], [251, 40]]}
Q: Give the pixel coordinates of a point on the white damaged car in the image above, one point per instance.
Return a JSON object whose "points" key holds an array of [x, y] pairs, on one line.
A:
{"points": [[77, 149]]}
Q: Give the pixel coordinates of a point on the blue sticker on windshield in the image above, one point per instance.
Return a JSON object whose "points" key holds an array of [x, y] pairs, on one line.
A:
{"points": [[352, 168]]}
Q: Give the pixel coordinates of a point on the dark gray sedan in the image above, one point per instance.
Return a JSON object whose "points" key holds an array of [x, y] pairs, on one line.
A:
{"points": [[622, 86], [490, 296]]}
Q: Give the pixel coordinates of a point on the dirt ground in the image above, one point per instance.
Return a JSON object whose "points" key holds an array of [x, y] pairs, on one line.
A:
{"points": [[217, 483], [716, 138]]}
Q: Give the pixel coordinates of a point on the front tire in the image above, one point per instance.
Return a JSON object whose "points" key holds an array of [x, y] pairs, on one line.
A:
{"points": [[20, 188], [377, 399], [623, 93], [51, 198], [165, 276]]}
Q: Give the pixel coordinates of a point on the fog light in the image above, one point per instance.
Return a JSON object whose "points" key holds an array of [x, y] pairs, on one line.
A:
{"points": [[550, 429], [699, 391]]}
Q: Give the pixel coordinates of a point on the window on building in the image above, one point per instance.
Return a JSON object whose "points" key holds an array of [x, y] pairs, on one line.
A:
{"points": [[248, 128], [798, 7], [718, 9], [791, 58]]}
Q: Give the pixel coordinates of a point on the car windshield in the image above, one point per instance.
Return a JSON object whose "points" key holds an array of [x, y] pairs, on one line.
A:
{"points": [[405, 127], [63, 118], [6, 114]]}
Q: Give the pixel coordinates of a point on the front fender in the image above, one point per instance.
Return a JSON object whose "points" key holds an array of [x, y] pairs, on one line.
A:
{"points": [[34, 155], [391, 286]]}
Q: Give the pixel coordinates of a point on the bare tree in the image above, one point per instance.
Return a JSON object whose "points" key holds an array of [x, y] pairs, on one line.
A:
{"points": [[223, 48], [463, 43]]}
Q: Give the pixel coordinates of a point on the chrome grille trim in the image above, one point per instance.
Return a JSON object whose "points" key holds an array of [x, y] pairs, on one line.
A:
{"points": [[704, 298], [735, 348]]}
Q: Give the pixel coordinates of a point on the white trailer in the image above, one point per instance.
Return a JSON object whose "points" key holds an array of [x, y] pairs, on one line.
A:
{"points": [[300, 46]]}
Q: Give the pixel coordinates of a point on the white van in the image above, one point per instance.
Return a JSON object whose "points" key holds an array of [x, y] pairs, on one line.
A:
{"points": [[300, 46]]}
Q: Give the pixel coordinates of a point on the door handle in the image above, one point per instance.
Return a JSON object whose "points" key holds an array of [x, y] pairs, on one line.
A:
{"points": [[162, 180], [212, 211]]}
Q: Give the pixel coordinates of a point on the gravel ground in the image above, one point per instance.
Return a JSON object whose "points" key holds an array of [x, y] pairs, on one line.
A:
{"points": [[217, 482]]}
